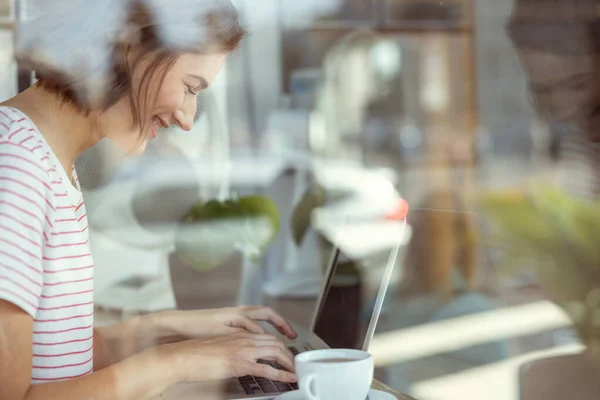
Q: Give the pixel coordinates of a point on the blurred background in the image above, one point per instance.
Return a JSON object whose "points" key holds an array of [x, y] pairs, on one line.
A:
{"points": [[335, 110]]}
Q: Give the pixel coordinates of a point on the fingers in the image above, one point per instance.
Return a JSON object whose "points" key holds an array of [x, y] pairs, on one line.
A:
{"points": [[269, 372], [242, 352], [267, 314], [238, 335], [247, 335], [255, 340], [249, 324], [277, 343], [276, 353], [267, 349], [258, 346]]}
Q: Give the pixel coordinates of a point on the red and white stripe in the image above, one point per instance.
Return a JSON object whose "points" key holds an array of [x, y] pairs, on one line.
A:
{"points": [[579, 167], [45, 263]]}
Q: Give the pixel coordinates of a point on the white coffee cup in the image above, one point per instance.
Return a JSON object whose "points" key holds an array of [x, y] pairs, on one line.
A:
{"points": [[334, 374]]}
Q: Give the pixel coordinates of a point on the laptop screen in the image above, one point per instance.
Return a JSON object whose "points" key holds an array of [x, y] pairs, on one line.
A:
{"points": [[346, 306]]}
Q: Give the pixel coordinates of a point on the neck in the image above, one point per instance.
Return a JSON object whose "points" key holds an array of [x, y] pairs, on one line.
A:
{"points": [[68, 132]]}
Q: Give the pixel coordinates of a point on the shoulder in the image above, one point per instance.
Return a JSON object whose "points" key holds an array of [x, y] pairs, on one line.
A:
{"points": [[21, 144], [25, 178]]}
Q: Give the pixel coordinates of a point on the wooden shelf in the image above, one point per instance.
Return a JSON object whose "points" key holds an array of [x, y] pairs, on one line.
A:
{"points": [[402, 16], [404, 29]]}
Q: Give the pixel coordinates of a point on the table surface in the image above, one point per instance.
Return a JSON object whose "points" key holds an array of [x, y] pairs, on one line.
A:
{"points": [[203, 391], [384, 388]]}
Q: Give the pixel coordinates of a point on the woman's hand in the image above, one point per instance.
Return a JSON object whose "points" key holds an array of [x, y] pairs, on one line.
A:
{"points": [[202, 324], [140, 333], [229, 356]]}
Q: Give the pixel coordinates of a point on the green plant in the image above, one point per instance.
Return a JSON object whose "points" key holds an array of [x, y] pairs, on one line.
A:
{"points": [[210, 232], [555, 236]]}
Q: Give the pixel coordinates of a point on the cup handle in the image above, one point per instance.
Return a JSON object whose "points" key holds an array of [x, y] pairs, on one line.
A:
{"points": [[308, 384]]}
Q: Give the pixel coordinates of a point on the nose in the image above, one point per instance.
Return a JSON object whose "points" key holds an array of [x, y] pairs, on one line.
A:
{"points": [[564, 105], [184, 117]]}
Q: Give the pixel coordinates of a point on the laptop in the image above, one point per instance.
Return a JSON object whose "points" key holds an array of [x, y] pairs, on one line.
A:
{"points": [[343, 289]]}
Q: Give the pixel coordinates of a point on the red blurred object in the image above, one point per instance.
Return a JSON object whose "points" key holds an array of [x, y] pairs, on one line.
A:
{"points": [[399, 212]]}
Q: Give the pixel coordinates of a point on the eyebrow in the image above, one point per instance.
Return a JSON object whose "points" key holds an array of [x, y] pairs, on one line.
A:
{"points": [[571, 80], [203, 83]]}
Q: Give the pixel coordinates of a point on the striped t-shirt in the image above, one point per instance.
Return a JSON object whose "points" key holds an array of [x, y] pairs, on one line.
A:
{"points": [[579, 167], [45, 263]]}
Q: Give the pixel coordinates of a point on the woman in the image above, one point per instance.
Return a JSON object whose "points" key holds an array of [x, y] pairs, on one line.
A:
{"points": [[49, 348], [558, 44]]}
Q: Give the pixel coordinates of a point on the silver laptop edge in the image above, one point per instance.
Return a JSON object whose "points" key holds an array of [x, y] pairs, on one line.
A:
{"points": [[312, 340], [387, 276]]}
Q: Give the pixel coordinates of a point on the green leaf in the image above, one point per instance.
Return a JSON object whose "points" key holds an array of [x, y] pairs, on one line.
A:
{"points": [[301, 217], [554, 235], [516, 218], [260, 206], [212, 231]]}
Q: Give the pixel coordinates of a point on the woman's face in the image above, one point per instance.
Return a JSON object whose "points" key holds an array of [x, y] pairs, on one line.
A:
{"points": [[565, 89], [175, 102]]}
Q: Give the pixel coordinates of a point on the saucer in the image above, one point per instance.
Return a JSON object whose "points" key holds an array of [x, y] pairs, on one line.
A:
{"points": [[373, 395]]}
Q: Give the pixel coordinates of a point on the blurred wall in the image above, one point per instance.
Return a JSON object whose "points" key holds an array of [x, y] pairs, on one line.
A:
{"points": [[255, 69], [8, 73]]}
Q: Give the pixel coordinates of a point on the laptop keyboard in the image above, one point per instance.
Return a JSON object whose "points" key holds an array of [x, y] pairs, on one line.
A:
{"points": [[257, 385]]}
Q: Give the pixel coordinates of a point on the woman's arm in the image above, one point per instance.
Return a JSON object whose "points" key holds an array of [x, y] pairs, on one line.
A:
{"points": [[131, 337], [104, 355], [117, 342], [140, 377], [114, 343]]}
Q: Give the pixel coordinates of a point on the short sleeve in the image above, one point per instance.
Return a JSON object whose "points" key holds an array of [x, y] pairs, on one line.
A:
{"points": [[26, 212]]}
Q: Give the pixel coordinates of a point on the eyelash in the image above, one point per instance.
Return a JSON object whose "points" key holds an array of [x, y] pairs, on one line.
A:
{"points": [[190, 90]]}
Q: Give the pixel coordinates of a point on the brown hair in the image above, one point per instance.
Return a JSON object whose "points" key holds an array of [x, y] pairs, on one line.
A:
{"points": [[562, 38], [562, 27], [223, 35]]}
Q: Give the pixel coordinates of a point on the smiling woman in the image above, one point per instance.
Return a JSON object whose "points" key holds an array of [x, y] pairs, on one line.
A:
{"points": [[558, 43], [154, 83], [122, 83]]}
